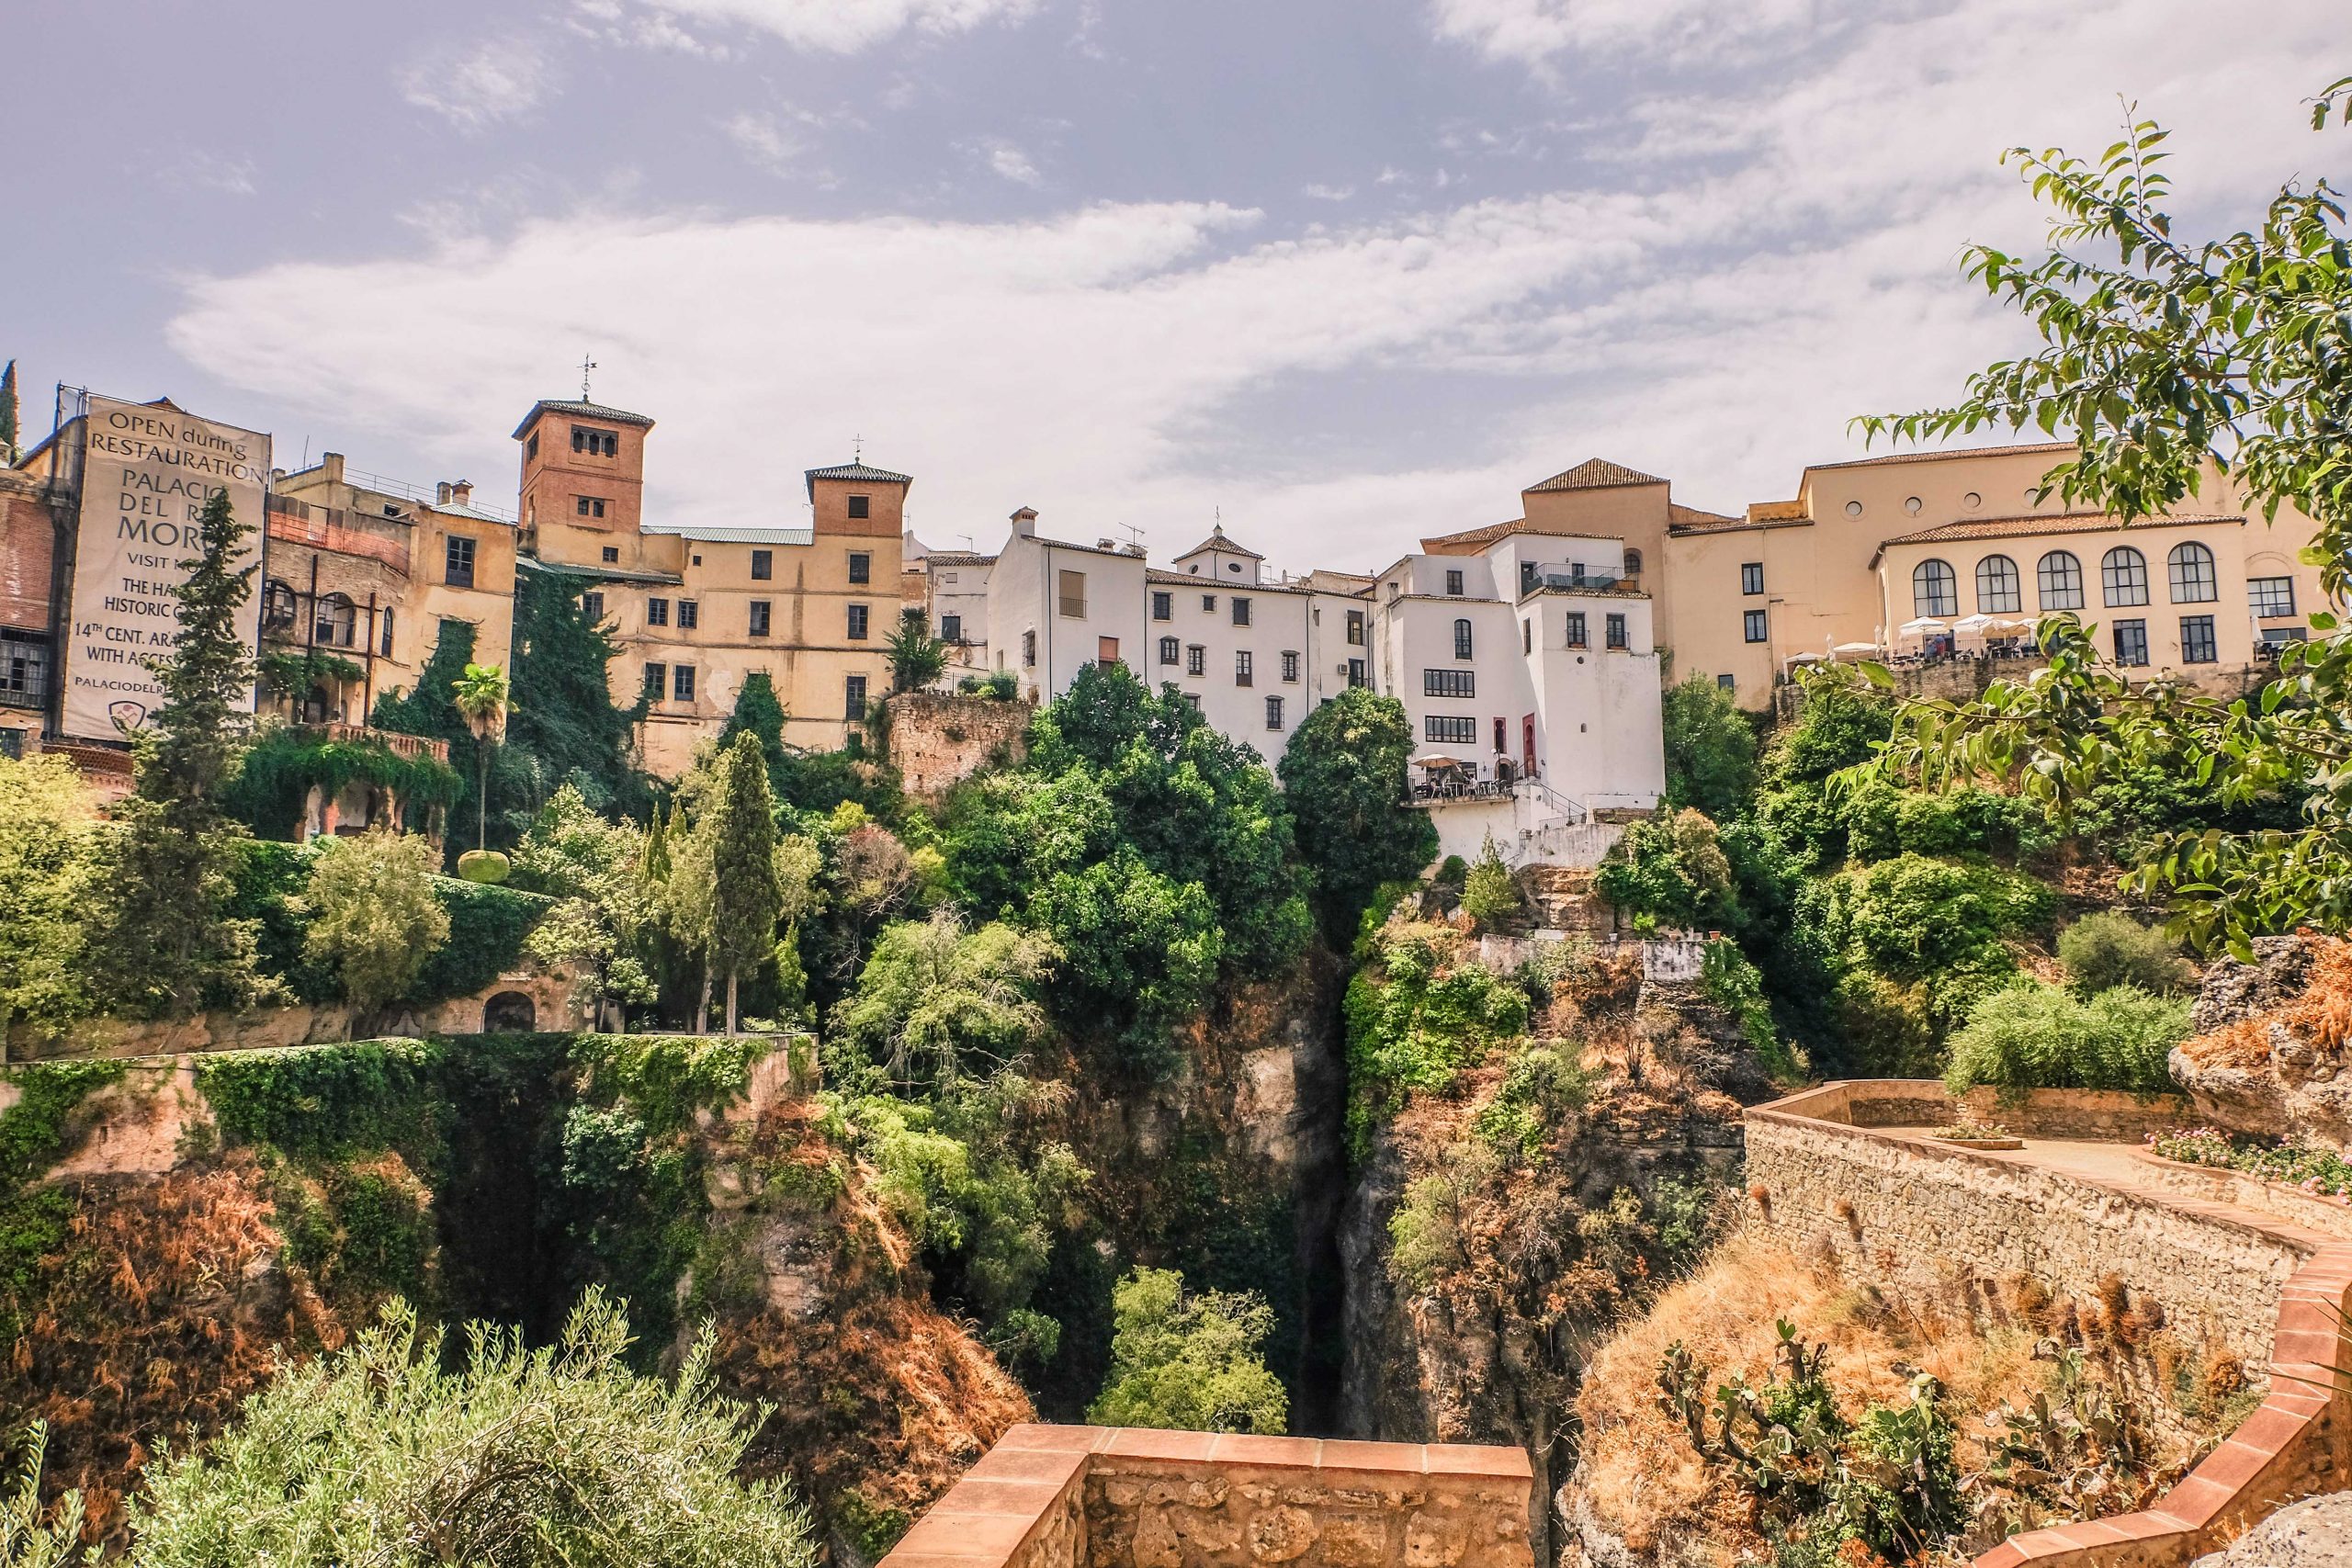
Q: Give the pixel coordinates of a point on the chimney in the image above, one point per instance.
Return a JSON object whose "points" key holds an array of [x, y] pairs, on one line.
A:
{"points": [[331, 465], [1106, 546], [1024, 523], [462, 492], [441, 493]]}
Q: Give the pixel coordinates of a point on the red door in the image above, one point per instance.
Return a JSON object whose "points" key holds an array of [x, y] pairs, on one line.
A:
{"points": [[1527, 741]]}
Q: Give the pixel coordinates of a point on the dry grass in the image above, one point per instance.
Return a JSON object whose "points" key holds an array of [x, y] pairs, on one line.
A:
{"points": [[2320, 1016], [1639, 1475]]}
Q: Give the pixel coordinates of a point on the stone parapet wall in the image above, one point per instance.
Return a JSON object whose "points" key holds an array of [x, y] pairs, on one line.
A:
{"points": [[2098, 1115], [1108, 1497], [938, 740]]}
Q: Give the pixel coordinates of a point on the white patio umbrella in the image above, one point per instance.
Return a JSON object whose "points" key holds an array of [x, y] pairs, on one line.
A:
{"points": [[1926, 625], [1857, 647]]}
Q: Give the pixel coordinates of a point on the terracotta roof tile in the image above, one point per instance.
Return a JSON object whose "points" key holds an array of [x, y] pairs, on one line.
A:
{"points": [[2011, 450], [1596, 473], [2053, 523]]}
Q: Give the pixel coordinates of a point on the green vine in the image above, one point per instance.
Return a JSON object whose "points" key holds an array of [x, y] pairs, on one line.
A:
{"points": [[286, 673], [283, 766]]}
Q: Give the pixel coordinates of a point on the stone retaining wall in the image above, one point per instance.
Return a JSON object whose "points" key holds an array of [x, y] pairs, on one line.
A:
{"points": [[1108, 1497], [936, 740], [2094, 1115]]}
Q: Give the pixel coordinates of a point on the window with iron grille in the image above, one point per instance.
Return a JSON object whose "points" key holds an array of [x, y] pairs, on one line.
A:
{"points": [[458, 562], [1273, 712], [1241, 610], [763, 565], [1355, 628], [1163, 606], [24, 674], [951, 628], [1446, 730], [2270, 596], [1453, 583], [861, 506], [1449, 682], [861, 565], [1290, 664], [2123, 578], [854, 696], [2197, 646]]}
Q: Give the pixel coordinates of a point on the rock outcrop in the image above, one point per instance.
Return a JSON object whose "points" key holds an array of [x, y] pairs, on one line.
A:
{"points": [[2272, 1055]]}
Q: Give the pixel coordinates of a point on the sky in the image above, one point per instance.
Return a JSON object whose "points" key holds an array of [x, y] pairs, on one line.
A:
{"points": [[1341, 273]]}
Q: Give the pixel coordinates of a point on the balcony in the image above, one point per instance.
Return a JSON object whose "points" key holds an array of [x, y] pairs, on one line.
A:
{"points": [[411, 746], [332, 529]]}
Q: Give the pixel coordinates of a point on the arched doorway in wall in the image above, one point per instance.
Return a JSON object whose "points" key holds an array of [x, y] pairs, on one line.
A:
{"points": [[509, 1012]]}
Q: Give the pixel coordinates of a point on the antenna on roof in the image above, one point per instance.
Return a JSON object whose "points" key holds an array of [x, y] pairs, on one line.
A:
{"points": [[1134, 534], [587, 367]]}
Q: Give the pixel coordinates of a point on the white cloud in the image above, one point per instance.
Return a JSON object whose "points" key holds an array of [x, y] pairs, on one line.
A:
{"points": [[835, 26], [1011, 162], [765, 142], [499, 78], [1328, 193], [1536, 30]]}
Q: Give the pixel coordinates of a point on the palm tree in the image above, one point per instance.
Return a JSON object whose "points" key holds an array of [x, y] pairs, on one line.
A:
{"points": [[917, 658], [481, 696]]}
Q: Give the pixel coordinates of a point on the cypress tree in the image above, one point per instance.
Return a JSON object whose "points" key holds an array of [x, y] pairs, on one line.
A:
{"points": [[745, 901], [758, 711], [9, 414], [166, 944]]}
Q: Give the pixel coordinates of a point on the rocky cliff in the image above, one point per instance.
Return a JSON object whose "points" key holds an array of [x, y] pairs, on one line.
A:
{"points": [[2272, 1055]]}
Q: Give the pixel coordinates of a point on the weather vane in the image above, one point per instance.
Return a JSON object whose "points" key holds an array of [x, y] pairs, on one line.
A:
{"points": [[857, 448], [586, 367]]}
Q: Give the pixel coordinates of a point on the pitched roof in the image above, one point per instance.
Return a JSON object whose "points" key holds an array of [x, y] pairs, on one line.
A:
{"points": [[1596, 473], [1678, 513], [1217, 541], [595, 573], [855, 473], [579, 409], [2061, 523], [724, 534], [1470, 541], [2011, 450]]}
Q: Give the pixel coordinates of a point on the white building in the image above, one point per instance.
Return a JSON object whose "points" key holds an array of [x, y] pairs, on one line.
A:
{"points": [[1054, 608]]}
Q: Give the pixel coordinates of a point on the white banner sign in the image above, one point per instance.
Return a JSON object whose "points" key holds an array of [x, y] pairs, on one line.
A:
{"points": [[147, 472]]}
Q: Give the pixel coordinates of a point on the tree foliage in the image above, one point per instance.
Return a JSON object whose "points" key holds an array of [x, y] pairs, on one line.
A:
{"points": [[560, 1457], [32, 1536], [47, 826], [373, 914], [744, 898], [605, 906], [759, 711], [1190, 1363], [2037, 1036], [1344, 778], [917, 658], [1711, 763], [936, 1001], [2108, 948]]}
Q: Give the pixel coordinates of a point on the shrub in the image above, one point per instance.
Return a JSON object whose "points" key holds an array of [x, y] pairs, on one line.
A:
{"points": [[1414, 1018], [30, 1535], [1488, 894], [487, 926], [2108, 949], [373, 915], [1193, 1364], [2041, 1037], [1345, 782], [487, 866], [1672, 869]]}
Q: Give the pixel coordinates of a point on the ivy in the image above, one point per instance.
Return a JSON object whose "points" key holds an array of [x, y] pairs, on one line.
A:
{"points": [[667, 1079], [284, 765], [332, 1101]]}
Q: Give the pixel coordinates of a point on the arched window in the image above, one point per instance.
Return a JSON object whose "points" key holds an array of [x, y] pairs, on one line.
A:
{"points": [[338, 621], [2000, 590], [277, 604], [2061, 575], [2190, 567], [316, 705], [2124, 576], [1935, 588], [1462, 639], [1633, 563]]}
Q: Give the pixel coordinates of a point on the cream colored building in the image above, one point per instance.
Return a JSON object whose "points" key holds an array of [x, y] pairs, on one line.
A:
{"points": [[698, 608]]}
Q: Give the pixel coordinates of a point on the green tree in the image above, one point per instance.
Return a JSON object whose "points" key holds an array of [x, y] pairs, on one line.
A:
{"points": [[2167, 358], [164, 942], [1709, 750], [30, 1535], [479, 696], [10, 450], [744, 898], [391, 1451], [758, 712], [373, 915], [606, 908], [2108, 948], [46, 829], [1344, 778], [917, 658], [1670, 869], [1488, 894], [565, 729], [1190, 1363], [935, 999]]}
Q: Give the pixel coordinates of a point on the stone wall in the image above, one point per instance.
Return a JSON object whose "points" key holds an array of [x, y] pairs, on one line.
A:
{"points": [[936, 739], [1106, 1497], [2095, 1115], [1897, 1210]]}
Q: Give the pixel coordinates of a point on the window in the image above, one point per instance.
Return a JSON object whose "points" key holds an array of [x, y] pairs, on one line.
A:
{"points": [[1633, 565], [2190, 567], [592, 605], [595, 442], [612, 553], [857, 618], [1355, 628], [1527, 637], [2130, 642], [854, 696], [2000, 590], [1453, 583], [277, 604], [1163, 606], [762, 566], [338, 621], [759, 617], [1501, 743], [384, 643], [861, 565], [1241, 610], [1106, 651], [689, 614], [1196, 659], [1527, 577], [657, 683], [1462, 639], [1449, 682], [458, 562], [951, 628], [531, 447], [2060, 579], [1193, 698], [1576, 628], [1448, 730], [657, 612], [2123, 578], [2270, 596], [24, 671], [1616, 628], [1727, 682], [2197, 645], [1356, 676], [1290, 665], [1273, 712], [1752, 625], [588, 505], [1751, 577], [1029, 650], [1169, 650], [1072, 594], [1935, 588], [861, 506], [1208, 603], [1244, 668], [681, 682]]}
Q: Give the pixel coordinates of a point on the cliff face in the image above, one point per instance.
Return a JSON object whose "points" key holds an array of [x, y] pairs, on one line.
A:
{"points": [[2273, 1050]]}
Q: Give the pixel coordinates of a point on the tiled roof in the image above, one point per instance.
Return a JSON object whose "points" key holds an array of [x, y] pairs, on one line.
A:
{"points": [[2056, 522], [855, 473], [2011, 450], [1217, 541], [1470, 541], [958, 558], [725, 534], [580, 410], [1691, 516], [1596, 473], [595, 573], [1186, 579]]}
